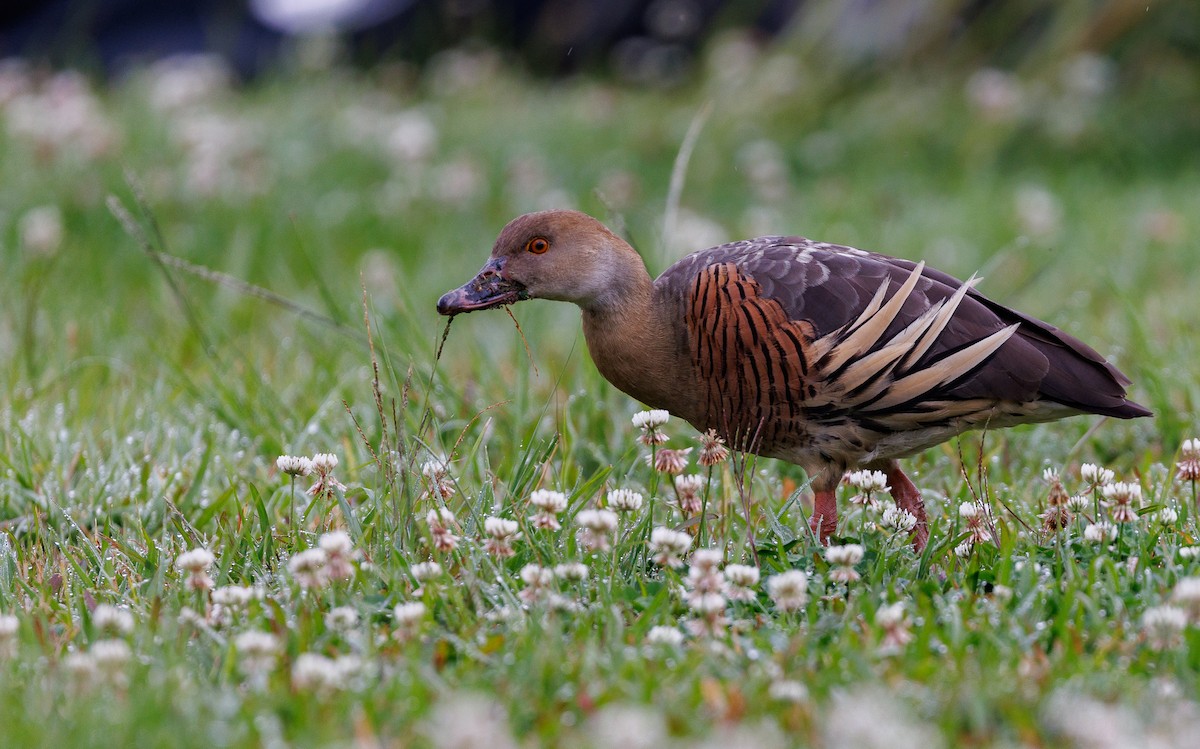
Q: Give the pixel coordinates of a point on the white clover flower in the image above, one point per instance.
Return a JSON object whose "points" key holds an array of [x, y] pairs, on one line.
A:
{"points": [[976, 520], [110, 656], [536, 575], [707, 604], [869, 483], [112, 620], [324, 462], [408, 614], [743, 575], [408, 618], [669, 461], [1100, 532], [294, 465], [256, 651], [340, 554], [712, 449], [707, 559], [41, 230], [467, 720], [1166, 516], [664, 636], [964, 549], [323, 465], [705, 591], [196, 563], [740, 581], [437, 471], [196, 560], [845, 556], [316, 672], [598, 526], [537, 581], [1188, 467], [1163, 626], [440, 517], [336, 543], [341, 618], [308, 568], [650, 422], [441, 524], [669, 546], [598, 520], [893, 620], [1078, 503], [1189, 552], [651, 419], [501, 532], [82, 669], [789, 590], [500, 528], [549, 500], [688, 488], [896, 517], [235, 596], [1050, 475], [572, 572], [435, 468], [624, 500], [1094, 475], [423, 572], [890, 615], [1123, 499], [550, 504]]}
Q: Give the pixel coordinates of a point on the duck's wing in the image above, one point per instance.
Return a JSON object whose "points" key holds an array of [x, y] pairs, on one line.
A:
{"points": [[784, 329]]}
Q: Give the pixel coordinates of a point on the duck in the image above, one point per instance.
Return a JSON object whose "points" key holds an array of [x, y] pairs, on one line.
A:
{"points": [[822, 355]]}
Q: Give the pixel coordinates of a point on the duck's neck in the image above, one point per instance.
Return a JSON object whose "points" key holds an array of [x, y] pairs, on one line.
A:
{"points": [[636, 342]]}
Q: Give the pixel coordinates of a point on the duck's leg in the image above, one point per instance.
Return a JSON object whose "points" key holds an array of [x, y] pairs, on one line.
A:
{"points": [[908, 498], [825, 513]]}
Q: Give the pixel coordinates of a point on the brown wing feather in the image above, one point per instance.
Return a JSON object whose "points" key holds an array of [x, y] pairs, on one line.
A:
{"points": [[752, 361]]}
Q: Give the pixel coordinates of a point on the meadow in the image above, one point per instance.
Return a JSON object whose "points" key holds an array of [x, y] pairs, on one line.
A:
{"points": [[201, 278]]}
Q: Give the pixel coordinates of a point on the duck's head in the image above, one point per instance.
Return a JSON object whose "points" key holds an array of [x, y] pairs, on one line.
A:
{"points": [[564, 255]]}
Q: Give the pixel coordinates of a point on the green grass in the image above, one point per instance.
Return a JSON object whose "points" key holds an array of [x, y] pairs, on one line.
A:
{"points": [[142, 410]]}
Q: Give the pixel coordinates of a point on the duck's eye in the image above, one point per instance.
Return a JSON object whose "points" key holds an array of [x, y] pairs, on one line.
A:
{"points": [[538, 245]]}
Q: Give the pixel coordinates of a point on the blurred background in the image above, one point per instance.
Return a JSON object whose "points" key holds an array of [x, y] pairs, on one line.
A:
{"points": [[647, 41]]}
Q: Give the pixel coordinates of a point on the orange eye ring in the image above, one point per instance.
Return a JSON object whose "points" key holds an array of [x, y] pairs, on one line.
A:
{"points": [[537, 245]]}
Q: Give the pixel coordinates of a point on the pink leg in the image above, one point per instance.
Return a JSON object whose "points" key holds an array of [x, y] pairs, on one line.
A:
{"points": [[824, 518], [908, 498]]}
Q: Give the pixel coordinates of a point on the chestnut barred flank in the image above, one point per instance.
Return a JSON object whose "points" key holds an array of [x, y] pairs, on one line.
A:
{"points": [[826, 356]]}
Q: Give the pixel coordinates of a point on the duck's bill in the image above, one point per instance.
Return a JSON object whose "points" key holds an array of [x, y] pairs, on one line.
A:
{"points": [[487, 290]]}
